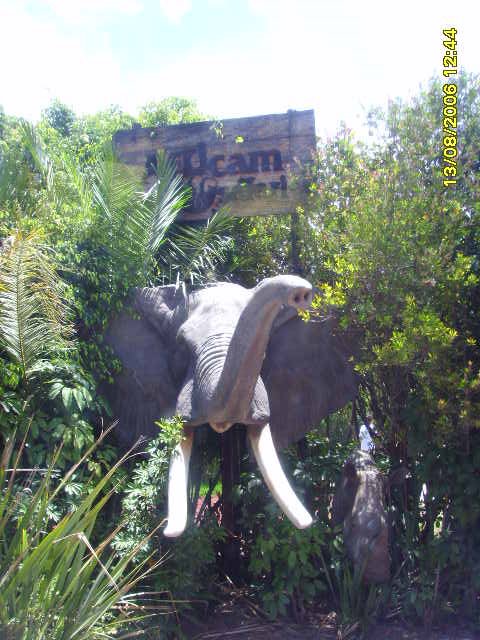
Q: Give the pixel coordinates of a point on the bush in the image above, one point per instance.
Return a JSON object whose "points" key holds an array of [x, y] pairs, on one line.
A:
{"points": [[191, 570]]}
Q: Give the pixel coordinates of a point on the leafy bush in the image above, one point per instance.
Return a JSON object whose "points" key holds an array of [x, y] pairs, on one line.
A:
{"points": [[191, 565], [284, 563], [144, 493], [289, 569]]}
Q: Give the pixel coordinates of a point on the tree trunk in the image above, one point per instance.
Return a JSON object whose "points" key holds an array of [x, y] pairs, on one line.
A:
{"points": [[230, 468]]}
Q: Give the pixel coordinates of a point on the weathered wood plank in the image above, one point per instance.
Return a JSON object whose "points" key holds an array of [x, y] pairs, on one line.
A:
{"points": [[245, 164]]}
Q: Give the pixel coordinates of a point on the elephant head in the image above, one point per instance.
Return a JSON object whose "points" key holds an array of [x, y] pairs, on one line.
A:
{"points": [[359, 503], [224, 355]]}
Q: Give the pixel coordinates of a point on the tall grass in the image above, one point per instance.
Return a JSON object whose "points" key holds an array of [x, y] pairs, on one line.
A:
{"points": [[54, 584]]}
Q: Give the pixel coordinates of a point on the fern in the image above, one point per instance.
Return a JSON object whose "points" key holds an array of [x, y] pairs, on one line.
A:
{"points": [[33, 313]]}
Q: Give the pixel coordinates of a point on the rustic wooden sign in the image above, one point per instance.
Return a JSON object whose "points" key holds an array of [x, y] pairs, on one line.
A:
{"points": [[245, 164]]}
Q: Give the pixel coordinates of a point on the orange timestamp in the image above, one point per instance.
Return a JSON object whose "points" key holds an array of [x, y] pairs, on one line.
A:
{"points": [[449, 99]]}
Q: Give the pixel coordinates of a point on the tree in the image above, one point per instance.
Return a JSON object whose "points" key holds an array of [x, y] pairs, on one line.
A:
{"points": [[387, 242], [397, 253], [173, 110], [60, 117]]}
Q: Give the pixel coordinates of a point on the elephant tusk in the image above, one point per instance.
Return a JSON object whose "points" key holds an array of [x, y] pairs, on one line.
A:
{"points": [[274, 476], [177, 486]]}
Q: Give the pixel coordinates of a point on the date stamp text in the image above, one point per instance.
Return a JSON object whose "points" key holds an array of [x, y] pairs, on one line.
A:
{"points": [[450, 169]]}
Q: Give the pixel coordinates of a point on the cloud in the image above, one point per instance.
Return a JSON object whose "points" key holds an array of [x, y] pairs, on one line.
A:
{"points": [[49, 63], [175, 10], [342, 55], [76, 11]]}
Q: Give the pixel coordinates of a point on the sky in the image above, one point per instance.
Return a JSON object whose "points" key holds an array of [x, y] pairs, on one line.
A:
{"points": [[234, 57]]}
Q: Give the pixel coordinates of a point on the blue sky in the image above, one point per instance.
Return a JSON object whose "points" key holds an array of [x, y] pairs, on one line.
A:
{"points": [[235, 57]]}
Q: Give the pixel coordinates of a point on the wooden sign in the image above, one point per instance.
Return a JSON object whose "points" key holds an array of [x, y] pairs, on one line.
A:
{"points": [[244, 164]]}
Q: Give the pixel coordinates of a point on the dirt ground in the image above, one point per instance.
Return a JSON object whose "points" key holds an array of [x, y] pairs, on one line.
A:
{"points": [[238, 623], [285, 631]]}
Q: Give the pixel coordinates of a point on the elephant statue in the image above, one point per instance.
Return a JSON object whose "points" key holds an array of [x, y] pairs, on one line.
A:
{"points": [[359, 503], [223, 355]]}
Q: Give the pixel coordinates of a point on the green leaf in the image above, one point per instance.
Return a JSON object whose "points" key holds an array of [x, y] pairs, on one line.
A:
{"points": [[79, 398], [67, 398]]}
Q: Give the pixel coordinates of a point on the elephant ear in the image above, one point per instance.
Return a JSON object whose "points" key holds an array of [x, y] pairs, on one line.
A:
{"points": [[307, 374], [146, 388]]}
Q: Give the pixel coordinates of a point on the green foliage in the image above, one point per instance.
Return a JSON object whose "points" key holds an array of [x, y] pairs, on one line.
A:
{"points": [[64, 402], [126, 230], [436, 535], [12, 402], [284, 565], [81, 137], [33, 314], [191, 558], [60, 117], [396, 254], [191, 572], [358, 604], [89, 223], [145, 492], [389, 241], [173, 110], [117, 234], [290, 569], [261, 248], [18, 187], [193, 253], [54, 583], [80, 235], [134, 227]]}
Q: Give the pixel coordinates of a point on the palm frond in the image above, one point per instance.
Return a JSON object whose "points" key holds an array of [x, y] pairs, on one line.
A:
{"points": [[135, 224], [192, 253], [64, 181], [33, 314], [137, 230], [15, 175], [165, 199], [121, 218], [114, 186], [31, 142]]}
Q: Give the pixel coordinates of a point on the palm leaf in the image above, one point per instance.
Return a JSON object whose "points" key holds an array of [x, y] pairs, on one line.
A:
{"points": [[15, 174], [192, 253], [137, 230], [136, 224], [63, 179], [165, 199], [14, 177], [33, 314]]}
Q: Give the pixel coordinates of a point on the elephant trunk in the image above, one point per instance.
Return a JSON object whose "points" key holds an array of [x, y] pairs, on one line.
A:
{"points": [[236, 365]]}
